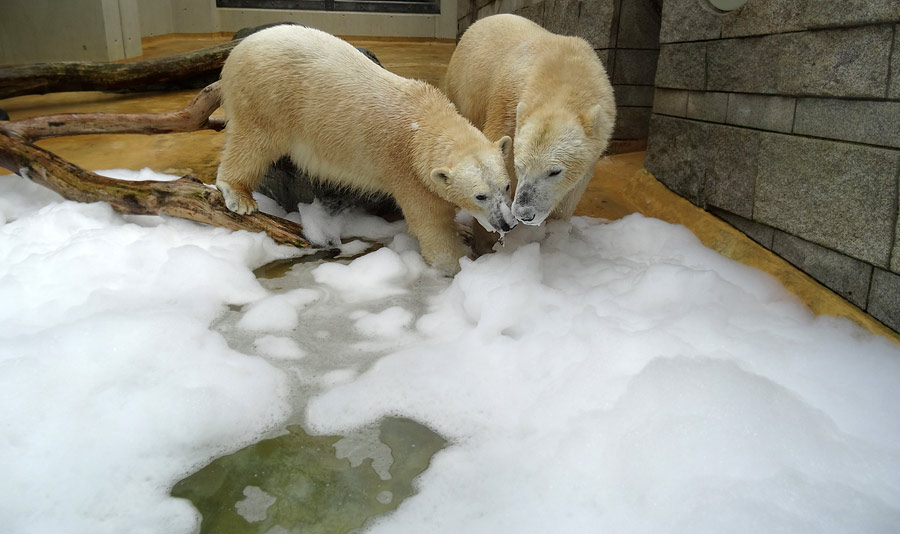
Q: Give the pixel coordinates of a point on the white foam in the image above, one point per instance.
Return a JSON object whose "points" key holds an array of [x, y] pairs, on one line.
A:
{"points": [[278, 312], [624, 378], [391, 322], [590, 377], [112, 386], [376, 275], [280, 347]]}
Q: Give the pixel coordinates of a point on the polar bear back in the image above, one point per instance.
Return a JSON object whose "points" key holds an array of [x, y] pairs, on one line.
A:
{"points": [[318, 99]]}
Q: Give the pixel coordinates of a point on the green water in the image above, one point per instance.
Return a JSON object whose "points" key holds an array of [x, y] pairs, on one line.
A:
{"points": [[296, 483]]}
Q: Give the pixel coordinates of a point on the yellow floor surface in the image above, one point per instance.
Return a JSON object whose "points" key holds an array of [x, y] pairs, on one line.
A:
{"points": [[620, 184]]}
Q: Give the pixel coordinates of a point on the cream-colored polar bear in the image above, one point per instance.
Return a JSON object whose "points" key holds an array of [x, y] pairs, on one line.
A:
{"points": [[550, 93], [296, 91]]}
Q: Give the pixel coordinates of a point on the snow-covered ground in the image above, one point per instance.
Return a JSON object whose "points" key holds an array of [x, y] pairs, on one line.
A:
{"points": [[590, 377]]}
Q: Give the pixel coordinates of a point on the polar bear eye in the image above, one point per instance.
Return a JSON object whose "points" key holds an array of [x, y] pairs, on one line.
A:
{"points": [[554, 172], [481, 198]]}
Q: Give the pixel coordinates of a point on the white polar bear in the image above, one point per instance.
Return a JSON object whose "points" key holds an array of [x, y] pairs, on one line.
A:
{"points": [[550, 93], [290, 90]]}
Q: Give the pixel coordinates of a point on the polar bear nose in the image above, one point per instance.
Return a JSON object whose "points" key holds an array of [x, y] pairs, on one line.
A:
{"points": [[504, 226], [524, 213]]}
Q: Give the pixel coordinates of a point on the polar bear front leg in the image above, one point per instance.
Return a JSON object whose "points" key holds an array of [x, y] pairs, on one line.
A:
{"points": [[432, 221], [244, 161]]}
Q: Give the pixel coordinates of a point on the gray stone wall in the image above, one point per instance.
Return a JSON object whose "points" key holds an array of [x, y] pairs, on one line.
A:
{"points": [[783, 118], [625, 34]]}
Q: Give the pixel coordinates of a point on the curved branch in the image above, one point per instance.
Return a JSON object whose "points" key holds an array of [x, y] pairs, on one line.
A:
{"points": [[186, 198], [195, 116]]}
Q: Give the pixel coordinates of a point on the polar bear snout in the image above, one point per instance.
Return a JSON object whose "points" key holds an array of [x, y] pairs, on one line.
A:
{"points": [[527, 206], [524, 213]]}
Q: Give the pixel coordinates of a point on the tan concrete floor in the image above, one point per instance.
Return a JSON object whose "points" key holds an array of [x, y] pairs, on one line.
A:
{"points": [[620, 184]]}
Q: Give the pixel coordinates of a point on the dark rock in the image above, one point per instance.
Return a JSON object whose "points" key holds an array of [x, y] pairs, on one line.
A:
{"points": [[289, 186], [4, 116]]}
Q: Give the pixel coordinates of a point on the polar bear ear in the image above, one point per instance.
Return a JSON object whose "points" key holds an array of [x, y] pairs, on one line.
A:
{"points": [[590, 118], [520, 110], [441, 177], [505, 145]]}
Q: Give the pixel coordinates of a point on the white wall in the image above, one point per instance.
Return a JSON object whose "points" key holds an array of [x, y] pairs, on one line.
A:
{"points": [[34, 31]]}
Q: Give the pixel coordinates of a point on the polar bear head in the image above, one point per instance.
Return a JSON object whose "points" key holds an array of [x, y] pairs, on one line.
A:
{"points": [[554, 150], [477, 181]]}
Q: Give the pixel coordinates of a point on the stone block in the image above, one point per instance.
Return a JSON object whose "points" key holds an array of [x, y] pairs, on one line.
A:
{"points": [[895, 255], [607, 57], [850, 62], [682, 66], [534, 13], [463, 8], [775, 113], [672, 155], [838, 195], [689, 20], [639, 22], [591, 20], [634, 95], [894, 87], [762, 18], [708, 164], [632, 123], [846, 276], [860, 121], [884, 298], [707, 106], [635, 67], [462, 25], [670, 102], [488, 10], [762, 234], [730, 158], [779, 16]]}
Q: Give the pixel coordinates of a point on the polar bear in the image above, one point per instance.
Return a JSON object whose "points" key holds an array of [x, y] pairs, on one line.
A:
{"points": [[300, 92], [511, 77]]}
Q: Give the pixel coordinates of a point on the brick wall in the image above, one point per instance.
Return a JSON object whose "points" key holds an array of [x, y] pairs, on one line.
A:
{"points": [[625, 34], [783, 118]]}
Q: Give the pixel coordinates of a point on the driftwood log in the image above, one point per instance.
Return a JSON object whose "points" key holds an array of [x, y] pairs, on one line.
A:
{"points": [[189, 70], [186, 198], [45, 78]]}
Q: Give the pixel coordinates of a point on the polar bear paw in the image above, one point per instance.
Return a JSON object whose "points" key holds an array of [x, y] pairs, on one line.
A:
{"points": [[240, 203]]}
